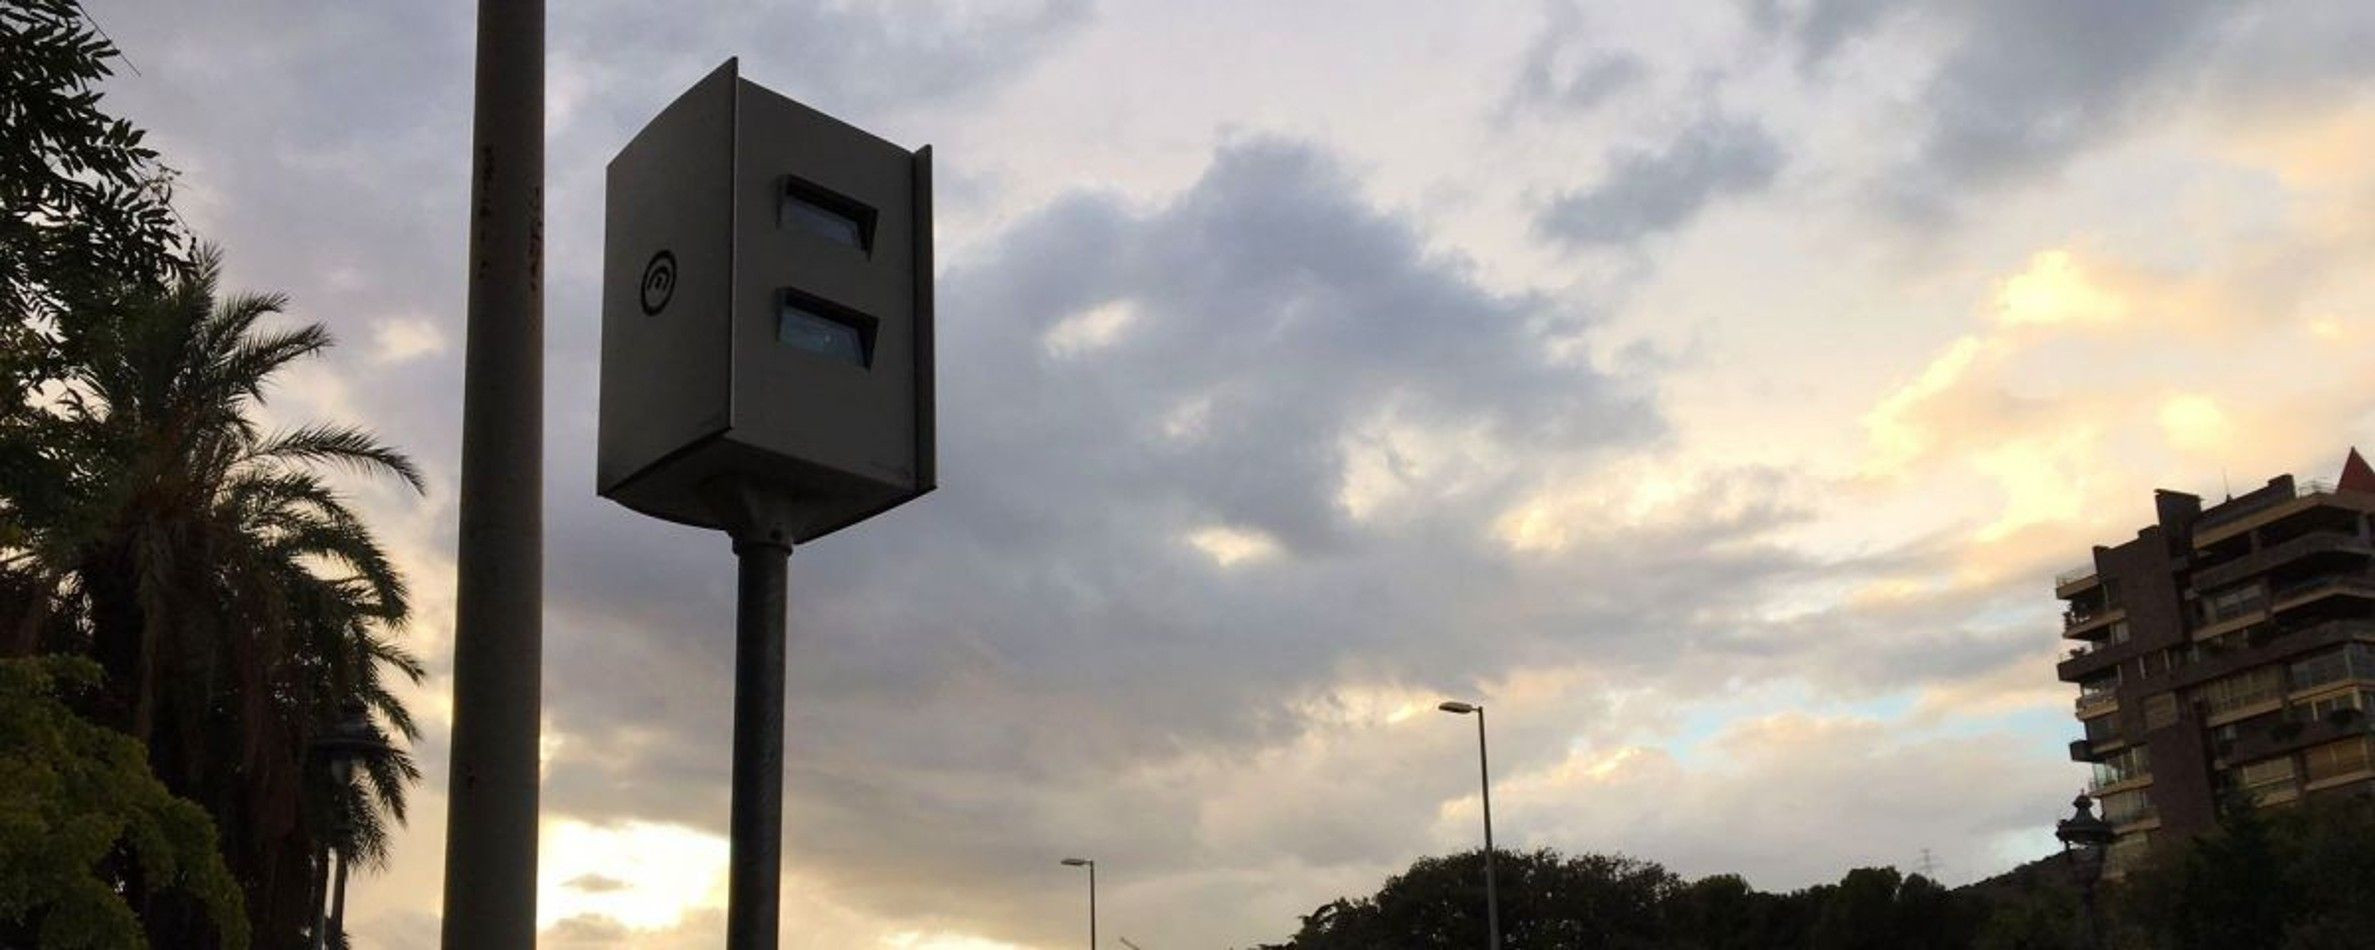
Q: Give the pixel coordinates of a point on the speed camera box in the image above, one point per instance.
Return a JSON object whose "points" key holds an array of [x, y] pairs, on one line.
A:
{"points": [[766, 312]]}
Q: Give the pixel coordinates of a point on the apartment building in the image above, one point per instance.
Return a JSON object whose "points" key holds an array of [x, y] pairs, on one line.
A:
{"points": [[2227, 654]]}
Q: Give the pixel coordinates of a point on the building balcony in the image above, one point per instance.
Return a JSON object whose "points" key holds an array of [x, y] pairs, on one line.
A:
{"points": [[2227, 520], [2274, 793], [2340, 786], [2090, 704], [2073, 580], [2099, 787], [2280, 644], [2276, 555], [2287, 734], [2226, 622], [2088, 658], [2242, 708], [2082, 625], [2309, 589]]}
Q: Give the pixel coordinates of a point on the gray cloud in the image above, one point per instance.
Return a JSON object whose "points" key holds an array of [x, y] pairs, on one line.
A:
{"points": [[585, 930], [591, 931], [594, 884], [1819, 28], [2032, 81], [1650, 192], [2025, 85], [867, 61], [1559, 76], [2291, 52]]}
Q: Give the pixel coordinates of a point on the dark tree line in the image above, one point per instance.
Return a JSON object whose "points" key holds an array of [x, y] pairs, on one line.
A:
{"points": [[2294, 878], [1552, 900]]}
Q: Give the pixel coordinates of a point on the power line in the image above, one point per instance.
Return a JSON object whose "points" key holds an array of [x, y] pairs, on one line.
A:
{"points": [[119, 47]]}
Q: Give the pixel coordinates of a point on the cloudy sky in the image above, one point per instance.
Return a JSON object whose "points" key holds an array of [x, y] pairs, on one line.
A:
{"points": [[1711, 390]]}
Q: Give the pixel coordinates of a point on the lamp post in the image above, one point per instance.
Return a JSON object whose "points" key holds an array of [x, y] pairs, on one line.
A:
{"points": [[1484, 774], [2085, 841], [1092, 866], [343, 747]]}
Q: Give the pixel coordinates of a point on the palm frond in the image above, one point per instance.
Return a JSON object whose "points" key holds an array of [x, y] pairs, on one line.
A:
{"points": [[340, 445]]}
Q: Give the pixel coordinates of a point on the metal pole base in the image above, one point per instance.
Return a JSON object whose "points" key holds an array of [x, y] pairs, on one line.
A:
{"points": [[754, 884]]}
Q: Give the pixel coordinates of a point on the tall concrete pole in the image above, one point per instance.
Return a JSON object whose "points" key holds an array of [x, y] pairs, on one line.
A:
{"points": [[490, 834]]}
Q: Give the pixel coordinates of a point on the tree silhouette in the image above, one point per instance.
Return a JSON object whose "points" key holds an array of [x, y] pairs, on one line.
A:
{"points": [[87, 825], [233, 598], [1611, 902]]}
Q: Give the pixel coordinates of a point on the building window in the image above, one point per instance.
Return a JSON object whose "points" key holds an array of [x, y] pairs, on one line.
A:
{"points": [[2331, 666], [2102, 729], [2267, 780], [2348, 661], [2133, 805], [2218, 646], [2233, 602], [2099, 690], [2336, 759], [2117, 632], [2223, 737], [2160, 709], [2327, 706], [2241, 691], [2124, 766]]}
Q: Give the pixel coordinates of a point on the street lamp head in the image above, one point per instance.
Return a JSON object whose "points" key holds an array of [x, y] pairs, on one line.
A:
{"points": [[342, 747], [2085, 838], [348, 741], [1455, 706], [1078, 862], [2082, 829]]}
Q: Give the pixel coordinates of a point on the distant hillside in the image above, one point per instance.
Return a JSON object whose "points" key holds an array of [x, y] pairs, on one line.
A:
{"points": [[2051, 872]]}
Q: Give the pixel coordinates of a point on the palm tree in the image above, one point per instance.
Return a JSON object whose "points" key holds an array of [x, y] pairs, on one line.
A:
{"points": [[234, 598]]}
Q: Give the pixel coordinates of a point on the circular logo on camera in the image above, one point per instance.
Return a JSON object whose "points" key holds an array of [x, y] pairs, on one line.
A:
{"points": [[659, 283]]}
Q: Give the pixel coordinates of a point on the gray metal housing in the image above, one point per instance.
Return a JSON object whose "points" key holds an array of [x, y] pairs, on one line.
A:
{"points": [[738, 219]]}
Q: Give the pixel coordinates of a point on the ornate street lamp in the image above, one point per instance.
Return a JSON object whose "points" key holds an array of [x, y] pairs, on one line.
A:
{"points": [[343, 747], [2086, 840]]}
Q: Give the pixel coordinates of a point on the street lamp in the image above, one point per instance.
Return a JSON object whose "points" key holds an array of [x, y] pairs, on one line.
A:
{"points": [[1484, 773], [343, 746], [1092, 866], [2086, 840]]}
